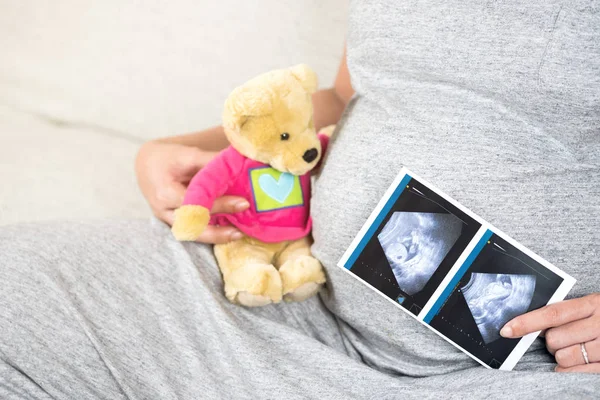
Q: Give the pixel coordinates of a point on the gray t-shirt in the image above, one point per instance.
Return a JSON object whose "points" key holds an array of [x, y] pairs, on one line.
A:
{"points": [[496, 103]]}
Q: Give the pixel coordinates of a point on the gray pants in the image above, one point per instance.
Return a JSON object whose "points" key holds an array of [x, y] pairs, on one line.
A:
{"points": [[112, 310]]}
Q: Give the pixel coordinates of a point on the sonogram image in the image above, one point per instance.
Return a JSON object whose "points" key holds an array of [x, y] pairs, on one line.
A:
{"points": [[415, 243], [495, 299]]}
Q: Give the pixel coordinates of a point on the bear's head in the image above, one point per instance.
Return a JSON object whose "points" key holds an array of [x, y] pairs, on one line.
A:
{"points": [[270, 119]]}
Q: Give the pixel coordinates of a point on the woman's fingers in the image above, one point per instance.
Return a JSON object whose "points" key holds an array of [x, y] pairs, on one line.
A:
{"points": [[169, 196], [229, 205], [550, 316], [224, 234], [219, 234], [581, 331], [167, 216], [572, 355], [212, 234], [166, 199], [585, 368]]}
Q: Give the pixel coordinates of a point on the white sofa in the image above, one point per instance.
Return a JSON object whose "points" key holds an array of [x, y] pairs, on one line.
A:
{"points": [[83, 83]]}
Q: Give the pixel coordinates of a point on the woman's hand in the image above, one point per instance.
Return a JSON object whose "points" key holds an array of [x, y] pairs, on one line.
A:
{"points": [[567, 325], [164, 171]]}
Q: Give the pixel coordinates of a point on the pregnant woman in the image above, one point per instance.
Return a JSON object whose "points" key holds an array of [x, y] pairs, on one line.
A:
{"points": [[498, 103]]}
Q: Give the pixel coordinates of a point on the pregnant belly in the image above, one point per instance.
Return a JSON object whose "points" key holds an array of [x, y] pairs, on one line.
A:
{"points": [[525, 183]]}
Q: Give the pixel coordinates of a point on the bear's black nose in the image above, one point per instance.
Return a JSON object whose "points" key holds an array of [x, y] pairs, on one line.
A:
{"points": [[310, 155]]}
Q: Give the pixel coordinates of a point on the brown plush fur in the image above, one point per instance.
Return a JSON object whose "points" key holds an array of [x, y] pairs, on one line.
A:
{"points": [[265, 272], [258, 112], [196, 219], [254, 117]]}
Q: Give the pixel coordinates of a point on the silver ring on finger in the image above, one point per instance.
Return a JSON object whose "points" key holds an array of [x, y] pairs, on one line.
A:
{"points": [[584, 353]]}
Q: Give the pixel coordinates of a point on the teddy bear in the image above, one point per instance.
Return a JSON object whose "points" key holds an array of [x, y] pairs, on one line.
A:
{"points": [[273, 148]]}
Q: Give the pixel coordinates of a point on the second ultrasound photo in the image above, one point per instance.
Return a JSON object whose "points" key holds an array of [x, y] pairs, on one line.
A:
{"points": [[417, 242], [501, 283]]}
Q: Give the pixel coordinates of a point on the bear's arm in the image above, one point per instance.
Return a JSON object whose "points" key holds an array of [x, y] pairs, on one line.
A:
{"points": [[212, 181]]}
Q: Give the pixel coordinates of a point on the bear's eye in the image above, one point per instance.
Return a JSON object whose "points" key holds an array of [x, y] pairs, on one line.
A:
{"points": [[285, 136]]}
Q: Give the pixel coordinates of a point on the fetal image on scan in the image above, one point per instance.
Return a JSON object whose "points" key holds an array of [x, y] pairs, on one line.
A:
{"points": [[415, 243], [495, 299]]}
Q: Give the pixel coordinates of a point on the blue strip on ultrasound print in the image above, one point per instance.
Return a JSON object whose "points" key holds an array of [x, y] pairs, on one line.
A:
{"points": [[457, 277], [384, 211]]}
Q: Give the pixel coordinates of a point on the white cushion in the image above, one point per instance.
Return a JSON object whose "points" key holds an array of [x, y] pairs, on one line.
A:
{"points": [[51, 171], [156, 68], [83, 83]]}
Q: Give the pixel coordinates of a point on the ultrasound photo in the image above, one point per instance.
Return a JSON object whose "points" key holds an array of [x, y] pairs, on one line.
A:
{"points": [[452, 271], [501, 283], [495, 299], [415, 244]]}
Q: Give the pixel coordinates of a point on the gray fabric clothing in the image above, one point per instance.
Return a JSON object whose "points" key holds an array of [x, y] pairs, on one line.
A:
{"points": [[115, 310], [497, 103]]}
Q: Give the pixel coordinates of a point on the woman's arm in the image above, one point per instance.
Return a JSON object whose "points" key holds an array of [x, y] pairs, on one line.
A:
{"points": [[164, 167], [330, 103]]}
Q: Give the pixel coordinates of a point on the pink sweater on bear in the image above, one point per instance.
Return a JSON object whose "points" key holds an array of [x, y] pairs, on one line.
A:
{"points": [[279, 202]]}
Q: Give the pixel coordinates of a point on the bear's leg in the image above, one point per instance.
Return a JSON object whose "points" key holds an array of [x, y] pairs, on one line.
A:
{"points": [[301, 274], [248, 273]]}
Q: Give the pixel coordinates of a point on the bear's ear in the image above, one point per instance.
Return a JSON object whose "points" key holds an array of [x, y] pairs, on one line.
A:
{"points": [[306, 76], [244, 103]]}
